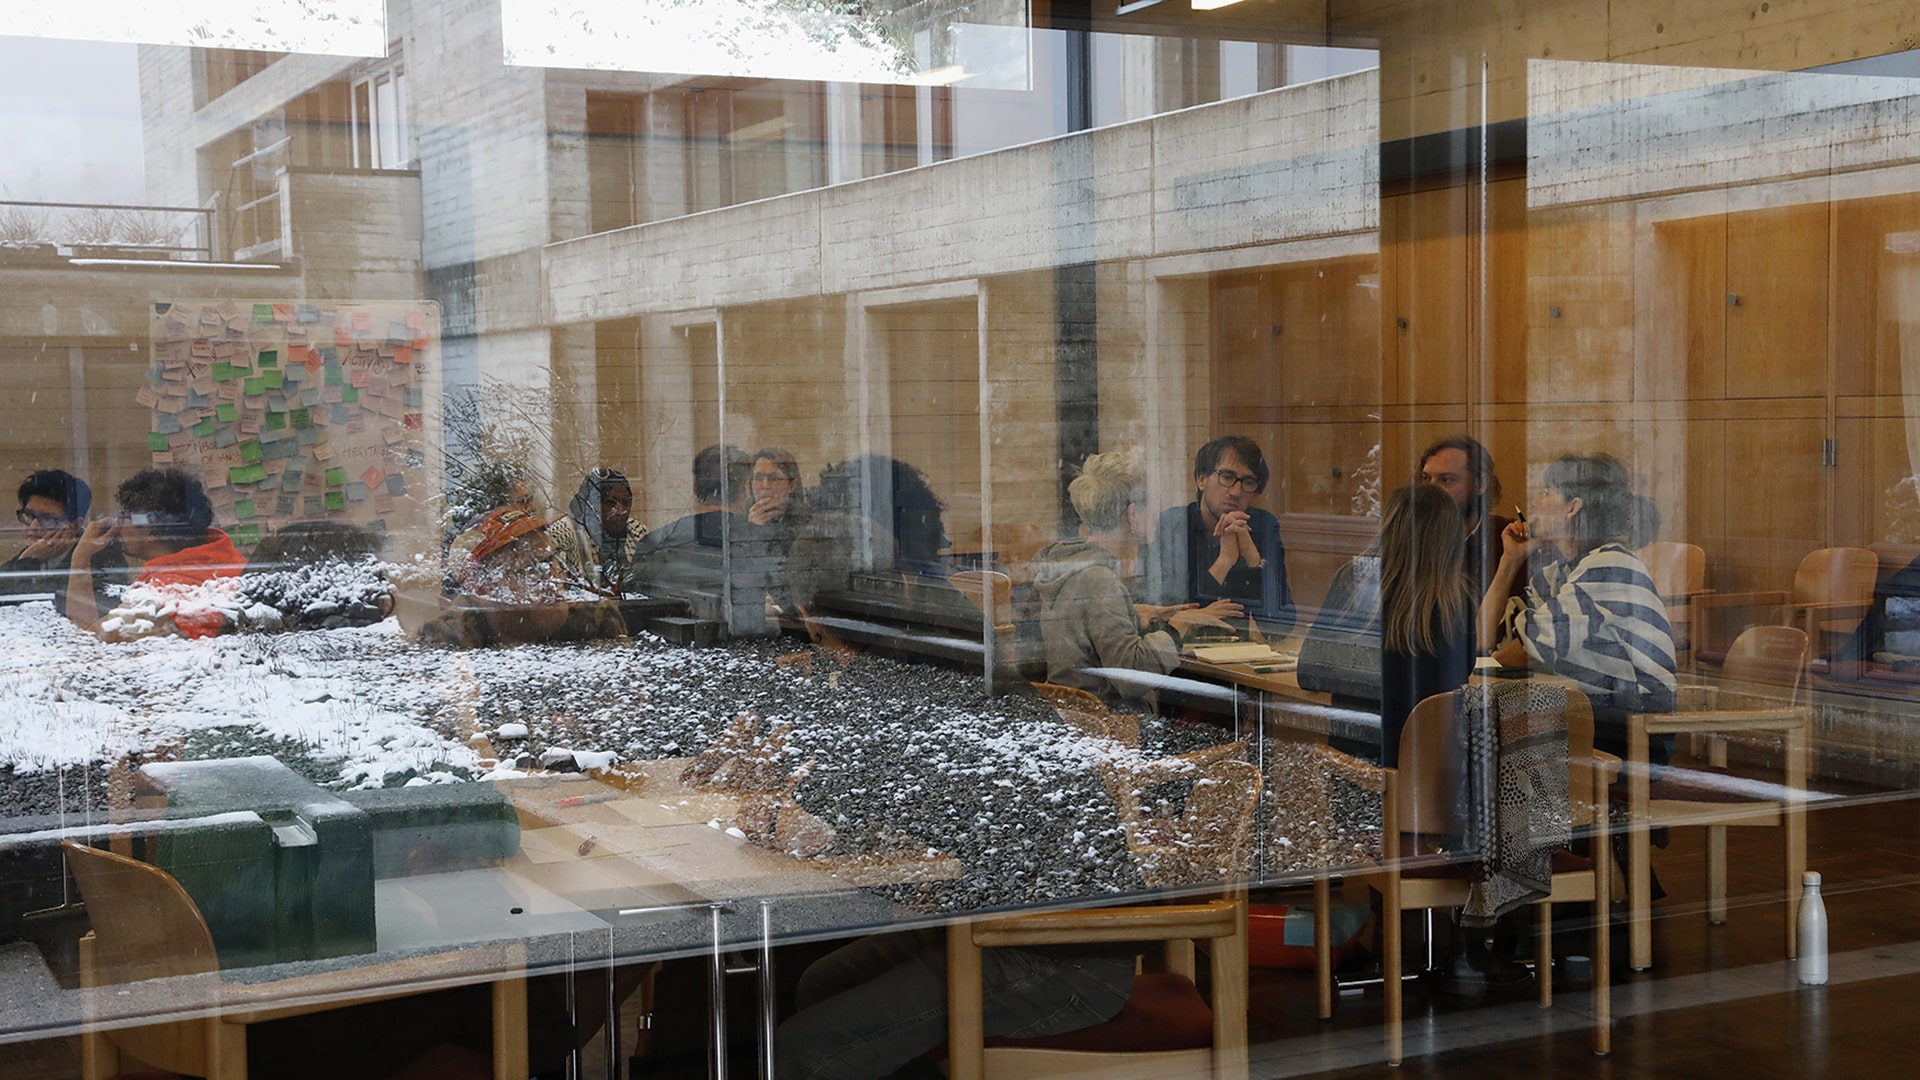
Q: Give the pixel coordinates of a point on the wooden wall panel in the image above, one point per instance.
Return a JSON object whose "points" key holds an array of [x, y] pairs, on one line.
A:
{"points": [[1870, 276], [1776, 307]]}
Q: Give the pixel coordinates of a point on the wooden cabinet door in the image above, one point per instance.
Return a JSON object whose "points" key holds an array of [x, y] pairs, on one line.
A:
{"points": [[1425, 316], [1776, 305]]}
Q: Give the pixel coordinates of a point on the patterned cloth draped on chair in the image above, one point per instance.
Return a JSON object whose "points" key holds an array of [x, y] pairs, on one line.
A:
{"points": [[1513, 805]]}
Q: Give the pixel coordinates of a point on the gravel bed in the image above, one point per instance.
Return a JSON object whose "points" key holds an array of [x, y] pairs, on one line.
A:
{"points": [[895, 753]]}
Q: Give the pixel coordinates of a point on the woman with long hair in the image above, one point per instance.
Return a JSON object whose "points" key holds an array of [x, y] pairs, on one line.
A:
{"points": [[1426, 607]]}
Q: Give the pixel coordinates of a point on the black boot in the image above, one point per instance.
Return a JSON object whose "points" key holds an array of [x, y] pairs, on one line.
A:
{"points": [[1473, 966]]}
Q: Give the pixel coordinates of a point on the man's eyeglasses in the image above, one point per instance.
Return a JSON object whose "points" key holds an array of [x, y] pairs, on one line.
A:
{"points": [[1231, 479], [45, 521]]}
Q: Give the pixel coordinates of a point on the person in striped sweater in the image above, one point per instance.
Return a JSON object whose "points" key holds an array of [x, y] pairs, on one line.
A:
{"points": [[1591, 612]]}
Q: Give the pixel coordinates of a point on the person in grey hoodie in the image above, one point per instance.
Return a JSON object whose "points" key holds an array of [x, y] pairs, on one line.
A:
{"points": [[1089, 622]]}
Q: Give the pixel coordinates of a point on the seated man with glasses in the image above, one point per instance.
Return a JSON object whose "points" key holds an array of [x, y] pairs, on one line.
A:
{"points": [[1219, 550], [53, 507]]}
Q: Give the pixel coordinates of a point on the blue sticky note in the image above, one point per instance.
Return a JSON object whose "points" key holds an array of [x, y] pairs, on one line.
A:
{"points": [[166, 423], [226, 436], [356, 491], [342, 413], [396, 484], [308, 436]]}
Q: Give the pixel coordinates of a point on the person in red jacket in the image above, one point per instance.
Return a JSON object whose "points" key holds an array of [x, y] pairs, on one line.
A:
{"points": [[165, 522]]}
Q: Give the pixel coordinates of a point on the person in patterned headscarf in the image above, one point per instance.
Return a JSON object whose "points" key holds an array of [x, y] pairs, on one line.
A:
{"points": [[594, 543]]}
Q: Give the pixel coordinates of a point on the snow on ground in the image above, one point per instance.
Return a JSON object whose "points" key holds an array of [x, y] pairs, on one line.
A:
{"points": [[897, 751]]}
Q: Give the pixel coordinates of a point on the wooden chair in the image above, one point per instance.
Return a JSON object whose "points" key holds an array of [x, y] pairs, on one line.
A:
{"points": [[1084, 710], [992, 591], [1832, 592], [1138, 1043], [1209, 840], [1679, 573], [1418, 803], [146, 927], [1766, 680]]}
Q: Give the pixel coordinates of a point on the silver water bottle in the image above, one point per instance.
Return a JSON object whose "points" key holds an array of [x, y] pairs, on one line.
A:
{"points": [[1812, 965]]}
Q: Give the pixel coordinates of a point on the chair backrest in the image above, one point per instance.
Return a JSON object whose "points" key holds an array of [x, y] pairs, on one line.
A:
{"points": [[1433, 763], [1769, 656], [1677, 569], [1210, 841], [1432, 768], [1070, 698], [1014, 544], [145, 926], [991, 590], [1837, 575]]}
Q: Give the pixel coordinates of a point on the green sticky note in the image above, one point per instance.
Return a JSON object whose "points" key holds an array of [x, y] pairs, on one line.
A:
{"points": [[204, 428], [349, 394], [252, 474], [335, 476], [243, 509], [334, 375], [336, 500], [222, 371], [299, 418], [227, 411], [246, 535], [254, 387], [238, 474], [274, 379], [269, 358], [157, 442], [263, 313], [276, 421], [249, 452]]}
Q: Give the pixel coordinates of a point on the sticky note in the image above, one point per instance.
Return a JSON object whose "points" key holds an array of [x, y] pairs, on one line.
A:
{"points": [[308, 436], [263, 313], [273, 380], [249, 451], [290, 481], [336, 500], [356, 491], [312, 505], [413, 397], [166, 423], [333, 374], [396, 484], [243, 509], [246, 535], [342, 413], [335, 475], [157, 441], [299, 418], [227, 412], [254, 387], [296, 373], [276, 421], [225, 437], [222, 371], [373, 476], [204, 428], [283, 505], [269, 358], [349, 395]]}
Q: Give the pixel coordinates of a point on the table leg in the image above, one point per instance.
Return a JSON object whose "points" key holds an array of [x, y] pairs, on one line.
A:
{"points": [[717, 1002], [768, 995]]}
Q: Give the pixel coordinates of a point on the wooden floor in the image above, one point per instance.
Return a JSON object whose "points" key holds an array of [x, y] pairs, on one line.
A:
{"points": [[1721, 1000]]}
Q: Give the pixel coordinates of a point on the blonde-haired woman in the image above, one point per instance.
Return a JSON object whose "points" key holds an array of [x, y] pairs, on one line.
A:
{"points": [[1427, 607], [1088, 619]]}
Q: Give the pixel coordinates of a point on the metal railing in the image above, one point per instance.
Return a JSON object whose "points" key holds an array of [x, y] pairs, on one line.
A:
{"points": [[107, 229]]}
